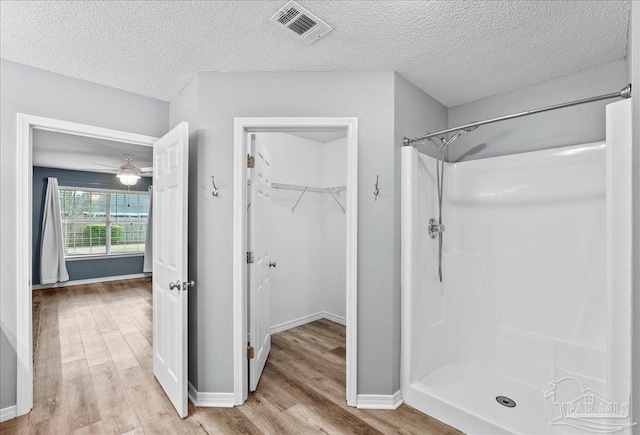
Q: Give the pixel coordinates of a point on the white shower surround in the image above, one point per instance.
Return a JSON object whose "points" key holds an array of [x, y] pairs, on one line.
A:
{"points": [[536, 244]]}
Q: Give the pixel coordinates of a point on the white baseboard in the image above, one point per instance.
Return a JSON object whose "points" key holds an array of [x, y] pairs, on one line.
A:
{"points": [[211, 400], [90, 281], [8, 413], [334, 318], [296, 322], [379, 401], [308, 319]]}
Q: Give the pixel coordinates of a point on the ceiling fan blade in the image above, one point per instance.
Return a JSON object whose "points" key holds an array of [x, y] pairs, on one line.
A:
{"points": [[112, 171], [148, 169], [108, 166]]}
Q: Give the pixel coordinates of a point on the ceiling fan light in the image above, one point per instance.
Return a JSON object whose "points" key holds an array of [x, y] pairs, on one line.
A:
{"points": [[128, 174], [128, 179]]}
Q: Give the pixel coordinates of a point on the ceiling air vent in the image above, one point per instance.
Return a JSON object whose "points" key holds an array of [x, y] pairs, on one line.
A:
{"points": [[301, 21]]}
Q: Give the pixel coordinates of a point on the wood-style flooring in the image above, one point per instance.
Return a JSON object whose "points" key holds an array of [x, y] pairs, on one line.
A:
{"points": [[93, 375]]}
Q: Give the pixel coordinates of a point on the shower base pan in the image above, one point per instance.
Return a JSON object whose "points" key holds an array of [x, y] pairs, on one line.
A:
{"points": [[465, 397]]}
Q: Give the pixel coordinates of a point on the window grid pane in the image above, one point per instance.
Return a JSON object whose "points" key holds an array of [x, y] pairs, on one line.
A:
{"points": [[85, 223], [128, 214]]}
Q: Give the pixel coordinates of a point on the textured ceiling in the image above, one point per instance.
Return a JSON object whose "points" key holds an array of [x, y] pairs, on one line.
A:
{"points": [[457, 51], [66, 151]]}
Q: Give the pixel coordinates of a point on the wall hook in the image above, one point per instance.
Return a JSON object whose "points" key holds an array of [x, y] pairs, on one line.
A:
{"points": [[215, 189], [376, 191]]}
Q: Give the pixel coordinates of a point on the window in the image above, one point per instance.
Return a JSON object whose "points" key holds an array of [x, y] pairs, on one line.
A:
{"points": [[103, 222]]}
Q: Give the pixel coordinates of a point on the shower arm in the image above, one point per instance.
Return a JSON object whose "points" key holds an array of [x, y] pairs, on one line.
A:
{"points": [[624, 93]]}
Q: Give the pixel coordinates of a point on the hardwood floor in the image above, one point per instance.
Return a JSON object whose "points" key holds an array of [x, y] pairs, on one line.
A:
{"points": [[93, 375]]}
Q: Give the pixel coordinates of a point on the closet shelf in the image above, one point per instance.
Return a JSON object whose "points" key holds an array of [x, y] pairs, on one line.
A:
{"points": [[333, 191], [336, 189]]}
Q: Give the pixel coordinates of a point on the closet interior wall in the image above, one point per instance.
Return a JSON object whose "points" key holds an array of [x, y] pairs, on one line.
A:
{"points": [[308, 245]]}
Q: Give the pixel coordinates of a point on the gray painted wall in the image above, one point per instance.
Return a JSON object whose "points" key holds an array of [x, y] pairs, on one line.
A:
{"points": [[574, 125], [184, 107], [414, 114], [633, 58], [79, 269], [223, 96], [219, 97], [630, 46], [36, 92]]}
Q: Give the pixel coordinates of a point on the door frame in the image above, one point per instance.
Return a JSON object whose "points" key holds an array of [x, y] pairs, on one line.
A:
{"points": [[24, 227], [242, 126]]}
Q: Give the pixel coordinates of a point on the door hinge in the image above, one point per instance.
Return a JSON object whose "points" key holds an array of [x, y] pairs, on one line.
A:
{"points": [[251, 161], [249, 257], [250, 352]]}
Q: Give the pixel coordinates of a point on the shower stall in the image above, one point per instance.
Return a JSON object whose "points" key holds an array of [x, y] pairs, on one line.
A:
{"points": [[526, 329]]}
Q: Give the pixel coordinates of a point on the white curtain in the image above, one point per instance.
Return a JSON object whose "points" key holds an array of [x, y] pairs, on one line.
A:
{"points": [[148, 252], [52, 266]]}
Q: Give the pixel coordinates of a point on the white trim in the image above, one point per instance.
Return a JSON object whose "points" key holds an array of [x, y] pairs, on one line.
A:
{"points": [[307, 319], [380, 401], [334, 318], [24, 346], [296, 322], [84, 130], [352, 263], [102, 256], [100, 189], [7, 413], [24, 175], [240, 127], [91, 281], [211, 400]]}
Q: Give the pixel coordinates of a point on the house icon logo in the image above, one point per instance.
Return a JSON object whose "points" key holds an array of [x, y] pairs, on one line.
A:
{"points": [[585, 408]]}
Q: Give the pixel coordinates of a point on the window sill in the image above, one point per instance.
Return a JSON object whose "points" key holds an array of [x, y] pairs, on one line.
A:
{"points": [[101, 256]]}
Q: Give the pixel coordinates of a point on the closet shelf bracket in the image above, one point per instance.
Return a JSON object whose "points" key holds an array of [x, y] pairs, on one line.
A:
{"points": [[299, 198], [338, 202]]}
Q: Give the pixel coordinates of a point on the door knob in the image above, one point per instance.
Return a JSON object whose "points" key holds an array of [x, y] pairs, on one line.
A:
{"points": [[187, 284], [272, 264], [175, 285]]}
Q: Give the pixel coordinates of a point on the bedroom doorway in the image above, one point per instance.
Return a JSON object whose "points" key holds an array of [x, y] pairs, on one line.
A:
{"points": [[170, 165]]}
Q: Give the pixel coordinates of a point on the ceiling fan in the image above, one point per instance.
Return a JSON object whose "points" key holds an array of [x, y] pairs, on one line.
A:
{"points": [[128, 174]]}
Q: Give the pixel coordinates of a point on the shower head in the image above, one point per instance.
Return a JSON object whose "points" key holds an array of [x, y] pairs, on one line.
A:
{"points": [[626, 91]]}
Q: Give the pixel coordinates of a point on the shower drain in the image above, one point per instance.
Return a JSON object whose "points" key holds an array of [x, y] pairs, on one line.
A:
{"points": [[505, 401]]}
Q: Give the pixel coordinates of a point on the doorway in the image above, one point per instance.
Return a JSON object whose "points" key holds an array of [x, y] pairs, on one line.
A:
{"points": [[169, 258], [253, 261]]}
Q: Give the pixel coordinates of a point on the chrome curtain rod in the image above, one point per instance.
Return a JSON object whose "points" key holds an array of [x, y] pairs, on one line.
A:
{"points": [[624, 93]]}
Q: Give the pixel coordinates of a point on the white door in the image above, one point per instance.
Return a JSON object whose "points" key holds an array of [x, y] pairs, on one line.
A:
{"points": [[259, 284], [170, 281]]}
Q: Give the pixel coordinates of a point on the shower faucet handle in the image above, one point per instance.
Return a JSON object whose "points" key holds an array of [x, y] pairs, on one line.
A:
{"points": [[435, 228]]}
